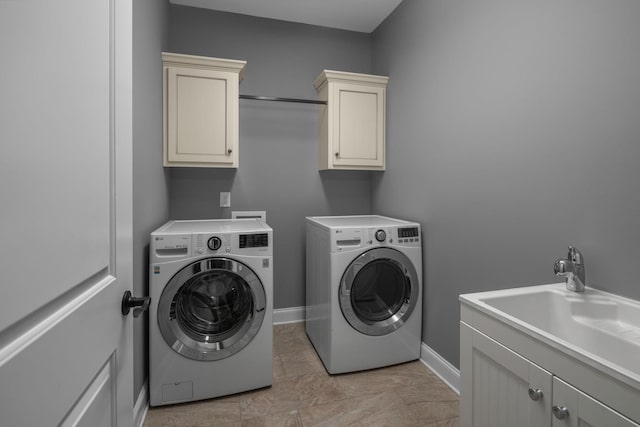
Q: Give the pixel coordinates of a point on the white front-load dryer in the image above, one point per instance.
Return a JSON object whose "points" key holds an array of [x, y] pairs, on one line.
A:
{"points": [[363, 291], [210, 317]]}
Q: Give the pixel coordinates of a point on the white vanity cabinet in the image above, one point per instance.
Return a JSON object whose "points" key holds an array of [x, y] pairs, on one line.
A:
{"points": [[501, 388], [352, 124], [496, 383], [200, 97]]}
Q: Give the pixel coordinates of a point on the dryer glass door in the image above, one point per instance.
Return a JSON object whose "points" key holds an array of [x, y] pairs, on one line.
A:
{"points": [[379, 291], [211, 309]]}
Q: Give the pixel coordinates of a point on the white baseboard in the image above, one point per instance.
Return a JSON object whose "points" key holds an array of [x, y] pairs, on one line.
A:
{"points": [[448, 373], [288, 315], [141, 407]]}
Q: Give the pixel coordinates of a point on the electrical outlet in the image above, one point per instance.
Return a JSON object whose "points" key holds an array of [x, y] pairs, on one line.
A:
{"points": [[225, 199]]}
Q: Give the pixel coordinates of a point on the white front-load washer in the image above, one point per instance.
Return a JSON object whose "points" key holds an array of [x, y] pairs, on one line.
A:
{"points": [[363, 291], [210, 317]]}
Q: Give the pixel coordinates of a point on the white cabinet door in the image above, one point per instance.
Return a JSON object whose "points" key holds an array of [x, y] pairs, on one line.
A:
{"points": [[497, 383], [66, 189], [201, 128], [358, 131], [201, 110], [352, 125], [573, 408]]}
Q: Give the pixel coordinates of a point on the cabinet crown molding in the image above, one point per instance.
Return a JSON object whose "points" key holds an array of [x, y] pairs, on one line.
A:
{"points": [[348, 77], [195, 61]]}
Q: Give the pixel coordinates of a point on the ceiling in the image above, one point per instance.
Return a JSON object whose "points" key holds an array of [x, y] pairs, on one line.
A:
{"points": [[355, 15]]}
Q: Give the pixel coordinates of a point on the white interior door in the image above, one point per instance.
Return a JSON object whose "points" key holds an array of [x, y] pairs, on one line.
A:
{"points": [[65, 191]]}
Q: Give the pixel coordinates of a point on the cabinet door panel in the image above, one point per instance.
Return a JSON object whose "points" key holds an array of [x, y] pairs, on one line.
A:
{"points": [[496, 383], [583, 410], [201, 125], [359, 126], [201, 116]]}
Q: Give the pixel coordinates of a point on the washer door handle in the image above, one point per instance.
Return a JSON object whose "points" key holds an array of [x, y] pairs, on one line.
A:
{"points": [[140, 303]]}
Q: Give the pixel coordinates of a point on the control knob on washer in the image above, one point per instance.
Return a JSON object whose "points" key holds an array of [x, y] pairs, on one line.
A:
{"points": [[381, 235], [214, 243]]}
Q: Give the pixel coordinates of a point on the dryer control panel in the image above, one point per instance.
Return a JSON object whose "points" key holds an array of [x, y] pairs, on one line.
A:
{"points": [[344, 239]]}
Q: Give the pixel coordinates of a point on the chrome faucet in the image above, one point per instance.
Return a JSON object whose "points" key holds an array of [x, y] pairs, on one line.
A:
{"points": [[572, 269]]}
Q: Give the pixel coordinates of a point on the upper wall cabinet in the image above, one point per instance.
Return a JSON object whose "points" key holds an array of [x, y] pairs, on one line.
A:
{"points": [[352, 125], [201, 110]]}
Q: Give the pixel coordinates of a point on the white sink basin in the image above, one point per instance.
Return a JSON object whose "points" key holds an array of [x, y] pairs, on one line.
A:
{"points": [[595, 324]]}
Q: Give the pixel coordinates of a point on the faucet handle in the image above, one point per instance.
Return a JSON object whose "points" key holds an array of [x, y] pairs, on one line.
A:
{"points": [[560, 267]]}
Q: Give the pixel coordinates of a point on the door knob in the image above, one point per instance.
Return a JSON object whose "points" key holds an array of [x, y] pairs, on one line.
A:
{"points": [[139, 304]]}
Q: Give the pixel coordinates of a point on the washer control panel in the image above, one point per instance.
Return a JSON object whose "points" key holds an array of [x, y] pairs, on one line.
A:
{"points": [[222, 243], [405, 236], [177, 240]]}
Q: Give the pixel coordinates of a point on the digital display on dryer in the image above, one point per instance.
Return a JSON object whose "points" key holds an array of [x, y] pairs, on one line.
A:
{"points": [[259, 240], [407, 232]]}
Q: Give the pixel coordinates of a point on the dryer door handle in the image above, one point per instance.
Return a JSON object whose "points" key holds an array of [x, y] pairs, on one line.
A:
{"points": [[139, 304]]}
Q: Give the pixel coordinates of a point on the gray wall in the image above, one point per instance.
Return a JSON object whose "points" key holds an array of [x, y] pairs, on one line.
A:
{"points": [[278, 142], [150, 180], [513, 131]]}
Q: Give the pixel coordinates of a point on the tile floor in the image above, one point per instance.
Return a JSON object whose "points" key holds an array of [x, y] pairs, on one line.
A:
{"points": [[303, 394]]}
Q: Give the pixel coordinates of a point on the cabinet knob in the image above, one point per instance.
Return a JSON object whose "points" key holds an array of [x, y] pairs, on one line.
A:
{"points": [[560, 412], [535, 394], [229, 151], [337, 154]]}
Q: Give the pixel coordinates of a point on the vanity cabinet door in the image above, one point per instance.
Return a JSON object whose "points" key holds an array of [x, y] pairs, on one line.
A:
{"points": [[573, 408], [499, 387]]}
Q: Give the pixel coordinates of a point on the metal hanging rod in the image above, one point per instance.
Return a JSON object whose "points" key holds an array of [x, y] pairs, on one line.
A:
{"points": [[277, 99]]}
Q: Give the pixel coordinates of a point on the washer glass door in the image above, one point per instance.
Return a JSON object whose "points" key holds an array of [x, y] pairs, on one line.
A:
{"points": [[211, 309], [379, 291]]}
